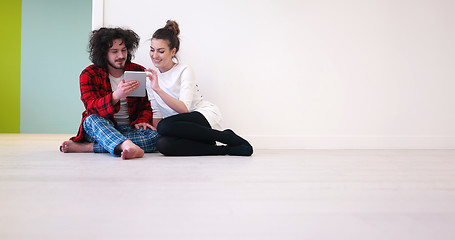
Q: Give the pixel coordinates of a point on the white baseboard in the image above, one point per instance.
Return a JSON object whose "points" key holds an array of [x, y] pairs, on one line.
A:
{"points": [[351, 142]]}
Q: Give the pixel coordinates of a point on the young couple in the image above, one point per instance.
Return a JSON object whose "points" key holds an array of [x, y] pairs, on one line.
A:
{"points": [[175, 119]]}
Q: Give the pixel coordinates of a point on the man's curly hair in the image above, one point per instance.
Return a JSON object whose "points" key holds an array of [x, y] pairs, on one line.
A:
{"points": [[101, 41]]}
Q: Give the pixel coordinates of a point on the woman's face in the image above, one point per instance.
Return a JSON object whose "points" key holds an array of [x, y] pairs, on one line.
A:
{"points": [[161, 55]]}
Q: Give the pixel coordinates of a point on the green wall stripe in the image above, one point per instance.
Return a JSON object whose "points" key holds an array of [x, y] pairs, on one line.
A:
{"points": [[10, 63]]}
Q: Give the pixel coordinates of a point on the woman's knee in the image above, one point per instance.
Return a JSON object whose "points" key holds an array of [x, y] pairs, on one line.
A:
{"points": [[164, 146], [162, 127]]}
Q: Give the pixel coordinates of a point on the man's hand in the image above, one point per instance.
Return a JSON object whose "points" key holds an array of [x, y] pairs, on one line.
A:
{"points": [[124, 89], [144, 125]]}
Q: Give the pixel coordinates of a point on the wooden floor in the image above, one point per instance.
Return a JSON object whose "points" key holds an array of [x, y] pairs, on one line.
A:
{"points": [[275, 194]]}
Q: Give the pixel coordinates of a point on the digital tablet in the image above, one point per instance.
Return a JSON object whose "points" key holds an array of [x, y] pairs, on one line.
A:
{"points": [[141, 78]]}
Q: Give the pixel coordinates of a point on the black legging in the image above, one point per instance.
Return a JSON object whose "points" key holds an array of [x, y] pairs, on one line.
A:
{"points": [[190, 134]]}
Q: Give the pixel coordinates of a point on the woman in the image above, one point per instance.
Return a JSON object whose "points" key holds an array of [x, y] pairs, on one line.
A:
{"points": [[188, 125]]}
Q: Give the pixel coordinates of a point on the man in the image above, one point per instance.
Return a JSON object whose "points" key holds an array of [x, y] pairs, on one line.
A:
{"points": [[113, 122]]}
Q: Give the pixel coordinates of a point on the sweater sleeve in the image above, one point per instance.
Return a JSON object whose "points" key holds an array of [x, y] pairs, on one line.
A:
{"points": [[187, 87], [153, 102]]}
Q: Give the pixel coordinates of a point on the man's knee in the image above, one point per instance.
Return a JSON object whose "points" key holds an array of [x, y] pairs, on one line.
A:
{"points": [[94, 118], [147, 133], [90, 119], [93, 122]]}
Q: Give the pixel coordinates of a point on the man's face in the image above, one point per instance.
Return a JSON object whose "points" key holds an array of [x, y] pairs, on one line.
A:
{"points": [[117, 54]]}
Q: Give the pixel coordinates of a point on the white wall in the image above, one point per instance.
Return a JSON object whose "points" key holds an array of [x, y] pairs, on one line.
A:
{"points": [[315, 74]]}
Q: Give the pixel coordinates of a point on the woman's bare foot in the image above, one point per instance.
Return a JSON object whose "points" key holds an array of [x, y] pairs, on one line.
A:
{"points": [[71, 147], [130, 150]]}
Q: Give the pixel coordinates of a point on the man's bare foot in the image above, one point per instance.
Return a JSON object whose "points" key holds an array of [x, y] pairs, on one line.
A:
{"points": [[130, 150], [71, 147]]}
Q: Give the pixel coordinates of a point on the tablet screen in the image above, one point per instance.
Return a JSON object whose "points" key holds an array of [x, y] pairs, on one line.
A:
{"points": [[141, 78]]}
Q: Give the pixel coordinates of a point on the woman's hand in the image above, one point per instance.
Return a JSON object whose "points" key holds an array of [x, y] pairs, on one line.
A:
{"points": [[124, 89], [144, 125], [153, 79]]}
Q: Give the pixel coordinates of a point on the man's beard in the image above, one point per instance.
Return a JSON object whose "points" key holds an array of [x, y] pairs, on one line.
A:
{"points": [[115, 67]]}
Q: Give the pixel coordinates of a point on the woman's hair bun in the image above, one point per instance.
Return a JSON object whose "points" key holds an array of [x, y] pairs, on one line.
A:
{"points": [[173, 26], [170, 32]]}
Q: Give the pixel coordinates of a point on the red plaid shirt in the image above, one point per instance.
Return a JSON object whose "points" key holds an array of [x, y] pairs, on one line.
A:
{"points": [[96, 94]]}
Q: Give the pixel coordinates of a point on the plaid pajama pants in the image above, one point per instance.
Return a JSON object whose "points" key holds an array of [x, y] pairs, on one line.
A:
{"points": [[106, 137]]}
